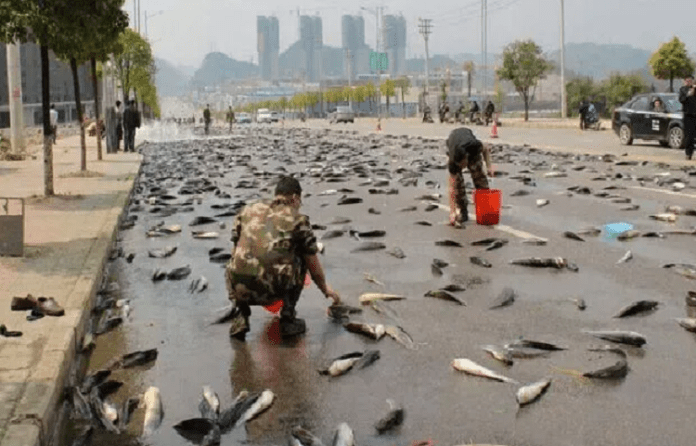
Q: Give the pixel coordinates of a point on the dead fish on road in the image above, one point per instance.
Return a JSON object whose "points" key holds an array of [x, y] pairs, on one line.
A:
{"points": [[196, 429], [179, 273], [520, 193], [626, 257], [637, 307], [501, 354], [373, 331], [536, 262], [339, 312], [622, 337], [342, 364], [202, 220], [471, 368], [134, 359], [485, 241], [344, 436], [374, 211], [436, 270], [684, 269], [542, 202], [450, 243], [429, 197], [210, 404], [618, 370], [633, 207], [593, 232], [580, 303], [573, 236], [408, 209], [162, 253], [431, 207], [340, 221], [260, 405], [444, 295], [159, 274], [349, 200], [555, 174], [535, 241], [506, 298], [669, 218], [480, 262], [205, 234], [628, 235], [691, 298], [453, 287], [334, 233], [423, 223], [687, 323], [399, 335], [373, 279], [397, 252], [537, 345], [497, 244], [369, 234], [220, 257], [198, 285], [153, 411], [369, 246], [440, 263], [369, 297], [531, 392], [303, 437], [392, 419]]}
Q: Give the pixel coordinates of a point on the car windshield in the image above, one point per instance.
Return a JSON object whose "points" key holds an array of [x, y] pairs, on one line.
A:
{"points": [[673, 105], [343, 109]]}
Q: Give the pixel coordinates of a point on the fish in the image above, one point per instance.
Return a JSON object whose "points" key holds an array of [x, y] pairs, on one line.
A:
{"points": [[162, 253], [440, 263], [334, 233], [198, 285], [485, 241], [430, 207], [637, 307], [618, 370], [213, 437], [444, 295], [501, 354], [653, 234], [471, 368], [221, 257], [369, 297], [628, 235], [555, 175], [344, 436], [423, 223], [669, 218], [327, 192], [227, 314], [171, 229], [536, 262], [80, 403], [382, 308], [195, 429], [408, 209], [626, 257], [505, 299], [621, 200], [179, 273], [436, 270], [397, 252], [399, 335], [633, 207], [107, 324], [368, 358], [94, 380], [687, 323], [264, 401], [573, 236], [590, 232], [621, 337], [373, 279], [580, 303], [110, 412], [497, 244], [393, 418], [374, 211], [532, 392], [525, 353], [135, 359], [202, 220], [450, 243], [542, 202], [210, 404], [153, 411], [369, 234], [684, 269], [535, 241], [373, 331], [304, 437], [340, 221], [127, 410], [428, 197], [342, 364], [480, 262], [520, 193], [158, 275], [103, 412], [691, 298], [339, 312], [87, 343], [349, 200], [537, 345], [205, 234], [229, 417], [369, 246], [453, 287]]}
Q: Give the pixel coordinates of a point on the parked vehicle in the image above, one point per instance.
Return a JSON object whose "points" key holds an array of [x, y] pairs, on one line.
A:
{"points": [[263, 115], [242, 118], [639, 119], [342, 114], [275, 116]]}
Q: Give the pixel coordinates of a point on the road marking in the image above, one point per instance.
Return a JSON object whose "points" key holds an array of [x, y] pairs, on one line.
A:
{"points": [[503, 228], [669, 192]]}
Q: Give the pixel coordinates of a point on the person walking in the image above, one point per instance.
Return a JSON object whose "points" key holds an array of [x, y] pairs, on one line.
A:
{"points": [[230, 117], [687, 96], [274, 247], [54, 123], [131, 122], [206, 118], [464, 150]]}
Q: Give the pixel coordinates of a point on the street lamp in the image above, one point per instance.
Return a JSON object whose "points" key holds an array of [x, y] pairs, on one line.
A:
{"points": [[155, 14]]}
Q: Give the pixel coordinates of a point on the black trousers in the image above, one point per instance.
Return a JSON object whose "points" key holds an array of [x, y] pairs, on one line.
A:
{"points": [[689, 134]]}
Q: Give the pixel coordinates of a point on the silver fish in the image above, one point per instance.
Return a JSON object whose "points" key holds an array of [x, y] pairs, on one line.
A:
{"points": [[628, 235], [542, 202], [626, 257], [573, 236], [622, 337], [205, 234], [210, 404], [637, 307], [344, 436], [374, 331], [506, 298], [444, 295], [369, 297], [342, 364], [392, 419], [303, 437], [260, 405], [535, 241], [687, 323], [501, 354], [399, 335], [153, 411], [471, 368], [162, 253], [590, 232], [532, 392], [666, 217], [536, 262]]}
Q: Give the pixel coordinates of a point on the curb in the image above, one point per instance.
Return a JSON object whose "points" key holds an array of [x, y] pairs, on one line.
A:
{"points": [[37, 419]]}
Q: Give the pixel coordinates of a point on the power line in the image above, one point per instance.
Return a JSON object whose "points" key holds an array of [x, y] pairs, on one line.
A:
{"points": [[425, 27]]}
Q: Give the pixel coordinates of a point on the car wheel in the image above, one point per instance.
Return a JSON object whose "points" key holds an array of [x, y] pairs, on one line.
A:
{"points": [[625, 135], [676, 136]]}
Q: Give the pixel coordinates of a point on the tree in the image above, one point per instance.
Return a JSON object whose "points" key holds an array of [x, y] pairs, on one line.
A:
{"points": [[620, 88], [370, 92], [577, 90], [359, 94], [671, 61], [469, 68], [404, 84], [524, 65], [136, 54], [388, 89]]}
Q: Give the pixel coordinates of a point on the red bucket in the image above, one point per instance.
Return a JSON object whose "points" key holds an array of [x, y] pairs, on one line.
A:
{"points": [[488, 203], [275, 307]]}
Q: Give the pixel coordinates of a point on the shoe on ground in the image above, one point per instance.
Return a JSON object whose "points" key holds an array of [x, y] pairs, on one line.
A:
{"points": [[239, 327], [49, 307], [293, 327], [23, 303]]}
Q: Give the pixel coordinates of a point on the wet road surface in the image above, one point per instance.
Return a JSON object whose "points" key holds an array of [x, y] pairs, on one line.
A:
{"points": [[651, 404]]}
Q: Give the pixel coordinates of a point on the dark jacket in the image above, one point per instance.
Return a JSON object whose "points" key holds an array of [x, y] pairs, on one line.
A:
{"points": [[131, 118], [688, 102], [461, 144]]}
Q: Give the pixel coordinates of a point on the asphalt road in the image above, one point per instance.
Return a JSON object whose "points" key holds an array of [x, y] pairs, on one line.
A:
{"points": [[651, 404]]}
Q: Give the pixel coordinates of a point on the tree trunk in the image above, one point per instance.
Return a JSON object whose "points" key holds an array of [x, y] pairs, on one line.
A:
{"points": [[526, 106], [47, 130], [78, 104], [468, 84], [93, 62]]}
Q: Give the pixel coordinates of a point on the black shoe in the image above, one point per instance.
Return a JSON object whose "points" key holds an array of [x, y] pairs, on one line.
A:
{"points": [[239, 327], [688, 157], [293, 327], [464, 216]]}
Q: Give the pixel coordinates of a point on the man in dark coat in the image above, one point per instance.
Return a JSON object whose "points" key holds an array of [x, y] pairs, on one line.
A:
{"points": [[687, 96]]}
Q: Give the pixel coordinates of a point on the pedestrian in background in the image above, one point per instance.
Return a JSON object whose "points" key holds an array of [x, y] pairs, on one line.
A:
{"points": [[206, 118], [687, 96], [230, 117], [464, 150], [131, 122], [54, 123]]}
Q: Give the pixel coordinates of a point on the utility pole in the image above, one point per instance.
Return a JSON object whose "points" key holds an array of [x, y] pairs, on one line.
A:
{"points": [[14, 86], [484, 44], [349, 58], [564, 105], [425, 27], [139, 18]]}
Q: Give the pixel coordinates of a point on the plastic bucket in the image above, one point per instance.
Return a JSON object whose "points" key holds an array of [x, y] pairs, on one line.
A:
{"points": [[488, 203], [275, 307]]}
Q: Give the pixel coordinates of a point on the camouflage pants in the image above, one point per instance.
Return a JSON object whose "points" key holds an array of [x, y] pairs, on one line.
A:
{"points": [[478, 176], [246, 291]]}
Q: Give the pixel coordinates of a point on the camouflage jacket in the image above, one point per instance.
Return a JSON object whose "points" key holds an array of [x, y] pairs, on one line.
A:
{"points": [[270, 237]]}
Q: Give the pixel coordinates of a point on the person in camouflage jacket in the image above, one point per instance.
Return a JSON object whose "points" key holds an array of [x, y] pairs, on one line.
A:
{"points": [[274, 249]]}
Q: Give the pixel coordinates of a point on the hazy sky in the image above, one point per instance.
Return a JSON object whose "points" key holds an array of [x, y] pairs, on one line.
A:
{"points": [[189, 29]]}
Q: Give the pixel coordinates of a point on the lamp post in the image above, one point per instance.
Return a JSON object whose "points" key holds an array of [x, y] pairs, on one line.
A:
{"points": [[154, 14]]}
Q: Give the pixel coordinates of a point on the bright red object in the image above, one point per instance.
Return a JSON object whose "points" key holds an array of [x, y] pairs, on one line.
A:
{"points": [[275, 307], [488, 204]]}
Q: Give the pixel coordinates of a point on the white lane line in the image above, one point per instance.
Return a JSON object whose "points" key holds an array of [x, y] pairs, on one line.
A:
{"points": [[668, 192], [503, 228]]}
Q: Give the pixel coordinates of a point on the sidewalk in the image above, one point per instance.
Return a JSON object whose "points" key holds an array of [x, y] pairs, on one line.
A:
{"points": [[66, 243]]}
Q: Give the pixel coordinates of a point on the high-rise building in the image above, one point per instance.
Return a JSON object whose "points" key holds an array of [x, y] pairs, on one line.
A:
{"points": [[268, 44], [311, 38], [395, 43], [353, 40]]}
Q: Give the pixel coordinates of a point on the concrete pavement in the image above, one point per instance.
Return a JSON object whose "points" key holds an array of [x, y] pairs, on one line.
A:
{"points": [[67, 241]]}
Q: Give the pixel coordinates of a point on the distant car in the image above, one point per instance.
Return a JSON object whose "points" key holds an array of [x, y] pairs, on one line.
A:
{"points": [[243, 118], [342, 114], [275, 116], [638, 119], [264, 115]]}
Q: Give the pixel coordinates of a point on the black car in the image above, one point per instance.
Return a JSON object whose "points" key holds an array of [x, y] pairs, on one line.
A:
{"points": [[639, 119]]}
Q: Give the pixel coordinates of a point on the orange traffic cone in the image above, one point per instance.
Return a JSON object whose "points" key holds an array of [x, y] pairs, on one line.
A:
{"points": [[494, 129]]}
